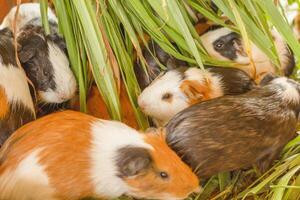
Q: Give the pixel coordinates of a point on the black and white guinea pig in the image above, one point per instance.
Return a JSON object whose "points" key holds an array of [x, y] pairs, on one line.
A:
{"points": [[224, 44], [71, 155], [16, 105], [44, 57], [234, 132], [177, 89], [154, 58]]}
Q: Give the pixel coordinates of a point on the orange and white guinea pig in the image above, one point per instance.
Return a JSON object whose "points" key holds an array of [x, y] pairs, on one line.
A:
{"points": [[176, 89], [71, 155]]}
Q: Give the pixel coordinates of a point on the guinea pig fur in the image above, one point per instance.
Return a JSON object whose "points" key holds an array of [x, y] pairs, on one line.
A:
{"points": [[45, 61], [224, 44], [71, 155], [16, 105], [154, 57], [29, 13], [177, 89], [234, 132], [44, 57]]}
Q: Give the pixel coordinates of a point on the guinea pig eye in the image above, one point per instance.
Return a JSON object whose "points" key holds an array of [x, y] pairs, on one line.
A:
{"points": [[166, 96], [219, 45], [45, 73], [163, 175]]}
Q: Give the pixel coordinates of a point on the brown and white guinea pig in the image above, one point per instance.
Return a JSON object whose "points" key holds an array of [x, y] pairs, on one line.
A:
{"points": [[16, 105], [154, 58], [71, 155], [44, 57], [224, 44], [177, 89], [234, 132]]}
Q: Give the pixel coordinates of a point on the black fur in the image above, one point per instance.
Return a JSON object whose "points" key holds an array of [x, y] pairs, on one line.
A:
{"points": [[234, 132], [34, 56], [225, 45], [234, 81], [7, 50]]}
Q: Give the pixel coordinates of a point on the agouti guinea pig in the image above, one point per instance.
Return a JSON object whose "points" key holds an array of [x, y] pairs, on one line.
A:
{"points": [[154, 58], [71, 155], [234, 132], [44, 57], [177, 89], [224, 44], [16, 105]]}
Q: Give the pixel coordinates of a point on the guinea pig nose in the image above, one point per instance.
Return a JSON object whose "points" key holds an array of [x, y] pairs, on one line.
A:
{"points": [[141, 103]]}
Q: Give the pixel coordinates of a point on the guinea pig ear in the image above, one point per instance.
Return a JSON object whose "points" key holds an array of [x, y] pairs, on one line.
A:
{"points": [[132, 160], [58, 40], [151, 130], [25, 54], [267, 79], [193, 90]]}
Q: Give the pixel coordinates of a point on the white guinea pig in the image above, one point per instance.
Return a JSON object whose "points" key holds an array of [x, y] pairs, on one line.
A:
{"points": [[16, 105], [71, 155], [224, 44], [177, 89]]}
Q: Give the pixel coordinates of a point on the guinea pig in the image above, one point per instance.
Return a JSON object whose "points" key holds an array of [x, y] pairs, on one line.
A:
{"points": [[224, 44], [97, 108], [235, 132], [71, 155], [16, 105], [177, 89], [44, 57], [154, 58]]}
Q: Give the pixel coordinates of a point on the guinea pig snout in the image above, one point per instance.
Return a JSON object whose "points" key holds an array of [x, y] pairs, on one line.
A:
{"points": [[142, 103]]}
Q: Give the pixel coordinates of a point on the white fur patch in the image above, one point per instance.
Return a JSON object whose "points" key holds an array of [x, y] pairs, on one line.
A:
{"points": [[152, 104], [63, 76], [27, 12], [290, 93], [27, 181], [108, 137], [14, 82]]}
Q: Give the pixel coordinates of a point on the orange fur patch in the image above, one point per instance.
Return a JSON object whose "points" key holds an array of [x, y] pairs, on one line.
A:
{"points": [[195, 91], [181, 182], [97, 107], [73, 162], [4, 105], [202, 27]]}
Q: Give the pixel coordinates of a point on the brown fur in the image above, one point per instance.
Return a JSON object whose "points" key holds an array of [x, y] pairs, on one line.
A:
{"points": [[4, 106], [77, 179], [195, 91], [97, 107], [173, 165]]}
